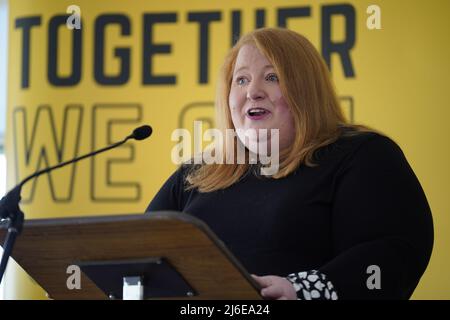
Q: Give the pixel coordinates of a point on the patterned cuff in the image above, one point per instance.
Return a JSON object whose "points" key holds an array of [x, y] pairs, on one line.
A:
{"points": [[312, 285]]}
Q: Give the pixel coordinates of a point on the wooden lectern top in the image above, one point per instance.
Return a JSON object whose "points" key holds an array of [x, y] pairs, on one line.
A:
{"points": [[47, 247]]}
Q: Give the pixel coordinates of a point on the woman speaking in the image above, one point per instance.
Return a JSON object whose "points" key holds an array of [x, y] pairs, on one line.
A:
{"points": [[342, 217]]}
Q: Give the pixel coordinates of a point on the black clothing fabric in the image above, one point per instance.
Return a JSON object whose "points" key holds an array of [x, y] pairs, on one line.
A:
{"points": [[362, 206]]}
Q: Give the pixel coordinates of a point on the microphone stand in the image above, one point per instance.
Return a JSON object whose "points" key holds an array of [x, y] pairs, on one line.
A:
{"points": [[9, 204]]}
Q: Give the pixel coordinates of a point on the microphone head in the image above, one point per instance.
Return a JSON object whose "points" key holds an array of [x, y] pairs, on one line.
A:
{"points": [[142, 132]]}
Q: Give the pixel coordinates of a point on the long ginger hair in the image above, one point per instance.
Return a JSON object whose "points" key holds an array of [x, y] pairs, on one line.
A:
{"points": [[306, 85]]}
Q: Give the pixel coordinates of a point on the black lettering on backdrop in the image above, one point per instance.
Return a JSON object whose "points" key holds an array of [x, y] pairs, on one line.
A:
{"points": [[103, 186], [285, 13], [47, 142], [74, 78], [260, 21], [34, 156], [341, 48], [235, 26], [122, 53], [150, 49], [204, 19], [26, 24], [260, 18]]}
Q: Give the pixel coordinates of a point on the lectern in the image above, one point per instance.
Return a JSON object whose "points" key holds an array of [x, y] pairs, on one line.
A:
{"points": [[165, 255]]}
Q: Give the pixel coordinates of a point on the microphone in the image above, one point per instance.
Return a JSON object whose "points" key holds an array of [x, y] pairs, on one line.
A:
{"points": [[141, 133], [9, 204]]}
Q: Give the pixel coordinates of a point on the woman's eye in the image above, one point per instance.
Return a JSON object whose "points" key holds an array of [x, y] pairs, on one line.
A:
{"points": [[272, 77], [241, 81]]}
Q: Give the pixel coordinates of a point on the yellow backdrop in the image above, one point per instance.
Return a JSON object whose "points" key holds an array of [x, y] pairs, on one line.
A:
{"points": [[135, 62]]}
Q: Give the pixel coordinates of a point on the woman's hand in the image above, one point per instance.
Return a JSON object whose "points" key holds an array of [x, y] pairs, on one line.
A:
{"points": [[276, 288]]}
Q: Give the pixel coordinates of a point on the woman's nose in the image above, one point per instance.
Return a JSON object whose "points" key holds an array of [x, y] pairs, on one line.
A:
{"points": [[255, 92]]}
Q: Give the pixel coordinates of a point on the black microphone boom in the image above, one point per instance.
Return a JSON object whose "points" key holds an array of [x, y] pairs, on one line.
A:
{"points": [[9, 204], [139, 133]]}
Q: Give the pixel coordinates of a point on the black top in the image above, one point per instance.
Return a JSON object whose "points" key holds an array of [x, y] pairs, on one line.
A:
{"points": [[361, 206]]}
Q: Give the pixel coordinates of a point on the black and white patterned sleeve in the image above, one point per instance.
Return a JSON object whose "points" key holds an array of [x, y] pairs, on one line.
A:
{"points": [[312, 285]]}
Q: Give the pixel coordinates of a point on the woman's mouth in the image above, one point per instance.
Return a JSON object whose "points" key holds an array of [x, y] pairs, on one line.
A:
{"points": [[257, 113]]}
